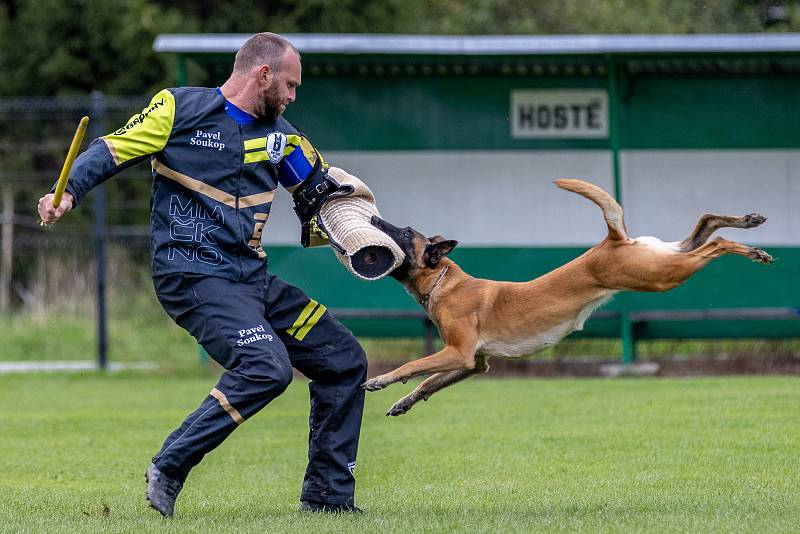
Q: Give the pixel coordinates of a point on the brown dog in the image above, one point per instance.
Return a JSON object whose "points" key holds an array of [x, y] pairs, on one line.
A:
{"points": [[481, 318]]}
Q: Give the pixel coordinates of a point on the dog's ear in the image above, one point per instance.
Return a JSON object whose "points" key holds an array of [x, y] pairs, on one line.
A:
{"points": [[436, 251], [436, 239]]}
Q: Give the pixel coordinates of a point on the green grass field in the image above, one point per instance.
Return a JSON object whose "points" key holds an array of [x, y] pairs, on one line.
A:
{"points": [[488, 455]]}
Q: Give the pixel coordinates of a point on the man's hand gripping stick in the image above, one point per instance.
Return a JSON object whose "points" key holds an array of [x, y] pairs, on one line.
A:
{"points": [[65, 170]]}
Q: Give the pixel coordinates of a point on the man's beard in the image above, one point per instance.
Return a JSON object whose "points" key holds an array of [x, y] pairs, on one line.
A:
{"points": [[270, 102]]}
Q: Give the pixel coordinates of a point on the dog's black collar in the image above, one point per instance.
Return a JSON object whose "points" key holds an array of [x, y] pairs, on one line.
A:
{"points": [[423, 299]]}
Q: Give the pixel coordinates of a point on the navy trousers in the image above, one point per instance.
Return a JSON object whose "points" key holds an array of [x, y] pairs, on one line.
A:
{"points": [[257, 332]]}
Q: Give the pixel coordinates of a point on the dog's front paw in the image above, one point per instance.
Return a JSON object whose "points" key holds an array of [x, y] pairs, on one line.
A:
{"points": [[758, 255], [400, 407], [374, 384], [754, 219]]}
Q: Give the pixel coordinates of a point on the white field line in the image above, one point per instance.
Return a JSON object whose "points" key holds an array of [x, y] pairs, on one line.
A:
{"points": [[73, 366]]}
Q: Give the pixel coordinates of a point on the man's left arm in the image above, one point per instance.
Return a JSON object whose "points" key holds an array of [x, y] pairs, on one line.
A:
{"points": [[300, 161], [303, 172]]}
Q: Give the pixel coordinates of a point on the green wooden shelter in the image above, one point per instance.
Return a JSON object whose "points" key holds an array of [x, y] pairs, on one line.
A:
{"points": [[463, 135]]}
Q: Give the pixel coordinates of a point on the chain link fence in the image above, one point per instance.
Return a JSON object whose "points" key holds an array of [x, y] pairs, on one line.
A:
{"points": [[50, 292]]}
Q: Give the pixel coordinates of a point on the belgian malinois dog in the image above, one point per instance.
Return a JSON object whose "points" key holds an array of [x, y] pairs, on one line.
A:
{"points": [[480, 318]]}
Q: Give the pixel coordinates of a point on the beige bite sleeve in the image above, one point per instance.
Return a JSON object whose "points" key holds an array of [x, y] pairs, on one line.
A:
{"points": [[369, 253]]}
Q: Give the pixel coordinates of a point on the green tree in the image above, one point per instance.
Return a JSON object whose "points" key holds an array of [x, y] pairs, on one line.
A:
{"points": [[81, 45], [481, 17]]}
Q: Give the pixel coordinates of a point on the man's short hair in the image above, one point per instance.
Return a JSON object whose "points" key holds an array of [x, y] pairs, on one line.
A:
{"points": [[262, 49]]}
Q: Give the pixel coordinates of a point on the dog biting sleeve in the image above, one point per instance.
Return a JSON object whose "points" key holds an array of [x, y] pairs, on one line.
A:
{"points": [[304, 173]]}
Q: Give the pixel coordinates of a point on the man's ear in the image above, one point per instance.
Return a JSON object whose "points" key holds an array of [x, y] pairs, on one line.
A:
{"points": [[436, 251], [265, 74]]}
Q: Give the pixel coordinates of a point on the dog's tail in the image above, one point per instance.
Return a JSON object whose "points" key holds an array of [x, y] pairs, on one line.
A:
{"points": [[612, 211]]}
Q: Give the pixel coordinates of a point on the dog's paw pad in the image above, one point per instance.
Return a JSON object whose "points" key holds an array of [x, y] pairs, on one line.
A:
{"points": [[760, 256], [754, 219]]}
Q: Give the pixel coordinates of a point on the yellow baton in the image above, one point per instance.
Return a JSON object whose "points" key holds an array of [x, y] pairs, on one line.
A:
{"points": [[71, 155]]}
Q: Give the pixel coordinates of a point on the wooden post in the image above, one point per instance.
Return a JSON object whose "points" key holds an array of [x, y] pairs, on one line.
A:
{"points": [[7, 252]]}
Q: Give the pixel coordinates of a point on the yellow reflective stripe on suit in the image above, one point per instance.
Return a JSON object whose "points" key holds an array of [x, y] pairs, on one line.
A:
{"points": [[256, 149], [308, 318]]}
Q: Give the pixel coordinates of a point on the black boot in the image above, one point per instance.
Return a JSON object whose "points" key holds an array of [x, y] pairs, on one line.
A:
{"points": [[161, 490]]}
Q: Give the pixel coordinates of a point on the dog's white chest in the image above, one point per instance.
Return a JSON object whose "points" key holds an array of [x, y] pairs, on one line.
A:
{"points": [[537, 341], [529, 345]]}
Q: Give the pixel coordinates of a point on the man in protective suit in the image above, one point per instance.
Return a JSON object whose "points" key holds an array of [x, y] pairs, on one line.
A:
{"points": [[218, 155]]}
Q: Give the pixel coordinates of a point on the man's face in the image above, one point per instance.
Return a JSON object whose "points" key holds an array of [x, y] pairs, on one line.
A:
{"points": [[281, 91]]}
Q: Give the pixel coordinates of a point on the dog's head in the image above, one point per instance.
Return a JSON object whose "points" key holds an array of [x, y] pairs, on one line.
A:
{"points": [[421, 252]]}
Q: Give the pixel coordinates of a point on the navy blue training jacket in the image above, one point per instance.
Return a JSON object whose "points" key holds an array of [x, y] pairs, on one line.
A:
{"points": [[213, 180]]}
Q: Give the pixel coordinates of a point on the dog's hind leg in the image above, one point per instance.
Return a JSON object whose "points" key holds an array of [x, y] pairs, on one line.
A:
{"points": [[719, 247], [710, 223], [676, 268], [436, 383]]}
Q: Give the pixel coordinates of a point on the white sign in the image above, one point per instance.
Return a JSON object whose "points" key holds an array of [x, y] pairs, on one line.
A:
{"points": [[559, 114]]}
